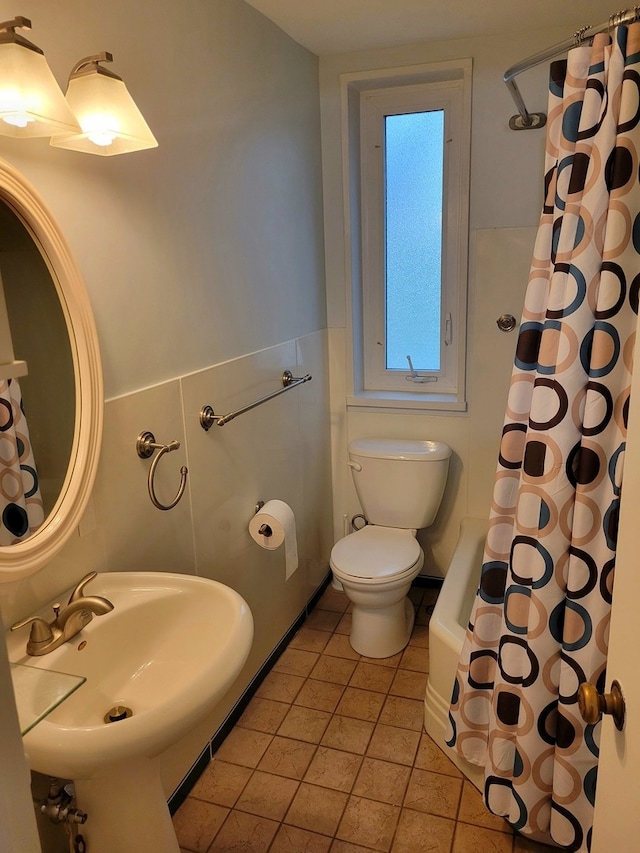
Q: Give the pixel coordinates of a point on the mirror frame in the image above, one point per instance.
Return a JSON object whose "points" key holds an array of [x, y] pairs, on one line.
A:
{"points": [[25, 558]]}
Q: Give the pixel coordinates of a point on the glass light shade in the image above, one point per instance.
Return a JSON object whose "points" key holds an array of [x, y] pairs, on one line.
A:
{"points": [[110, 121], [31, 103]]}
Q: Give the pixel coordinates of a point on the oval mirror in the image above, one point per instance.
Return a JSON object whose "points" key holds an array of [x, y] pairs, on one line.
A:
{"points": [[51, 397]]}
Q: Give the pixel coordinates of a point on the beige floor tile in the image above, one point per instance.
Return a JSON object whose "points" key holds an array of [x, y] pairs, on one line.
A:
{"points": [[280, 686], [197, 822], [415, 659], [310, 639], [267, 795], [221, 783], [263, 715], [335, 670], [339, 846], [306, 724], [473, 810], [425, 833], [244, 832], [324, 620], [330, 756], [411, 685], [392, 661], [286, 757], [526, 845], [433, 793], [369, 823], [431, 757], [340, 647], [333, 768], [368, 676], [382, 781], [296, 662], [316, 809], [290, 839], [244, 746], [332, 599], [361, 704], [344, 625], [420, 637], [403, 713], [423, 614], [473, 839], [321, 695], [348, 734], [393, 744]]}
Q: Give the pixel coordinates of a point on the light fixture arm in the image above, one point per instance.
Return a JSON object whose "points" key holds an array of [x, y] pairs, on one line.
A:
{"points": [[8, 34], [89, 65]]}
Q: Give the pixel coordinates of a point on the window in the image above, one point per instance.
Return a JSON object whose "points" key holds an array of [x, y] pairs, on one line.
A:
{"points": [[411, 150]]}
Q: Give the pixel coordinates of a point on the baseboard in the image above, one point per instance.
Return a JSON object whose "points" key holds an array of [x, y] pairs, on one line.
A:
{"points": [[184, 788]]}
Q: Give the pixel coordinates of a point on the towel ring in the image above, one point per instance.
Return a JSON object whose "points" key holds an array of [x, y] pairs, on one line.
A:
{"points": [[145, 447]]}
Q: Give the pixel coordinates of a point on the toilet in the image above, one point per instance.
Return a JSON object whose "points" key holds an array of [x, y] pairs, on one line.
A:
{"points": [[400, 484]]}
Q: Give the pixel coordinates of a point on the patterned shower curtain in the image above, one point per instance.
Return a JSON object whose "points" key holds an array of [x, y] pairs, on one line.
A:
{"points": [[539, 625], [21, 510]]}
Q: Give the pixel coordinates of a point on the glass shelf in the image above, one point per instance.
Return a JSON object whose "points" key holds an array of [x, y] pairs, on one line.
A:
{"points": [[39, 691]]}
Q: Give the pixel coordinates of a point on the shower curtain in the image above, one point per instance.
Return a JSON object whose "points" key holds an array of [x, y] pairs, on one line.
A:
{"points": [[539, 625], [21, 510]]}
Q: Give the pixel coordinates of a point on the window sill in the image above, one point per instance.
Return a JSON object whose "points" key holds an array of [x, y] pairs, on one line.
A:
{"points": [[403, 402]]}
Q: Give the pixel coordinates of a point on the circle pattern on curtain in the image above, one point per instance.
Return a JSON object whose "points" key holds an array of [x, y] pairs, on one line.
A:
{"points": [[539, 625]]}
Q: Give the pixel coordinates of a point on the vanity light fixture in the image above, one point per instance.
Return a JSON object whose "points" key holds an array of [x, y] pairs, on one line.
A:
{"points": [[110, 122], [31, 103]]}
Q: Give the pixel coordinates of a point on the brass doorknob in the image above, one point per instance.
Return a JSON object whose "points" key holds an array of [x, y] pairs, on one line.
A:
{"points": [[593, 704]]}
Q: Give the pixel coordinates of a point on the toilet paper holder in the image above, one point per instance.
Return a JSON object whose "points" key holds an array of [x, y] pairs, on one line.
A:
{"points": [[264, 529]]}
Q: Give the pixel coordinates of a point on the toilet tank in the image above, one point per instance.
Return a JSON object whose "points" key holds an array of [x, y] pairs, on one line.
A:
{"points": [[399, 482]]}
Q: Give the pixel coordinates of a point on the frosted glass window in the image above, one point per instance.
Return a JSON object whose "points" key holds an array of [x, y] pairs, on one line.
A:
{"points": [[411, 144], [414, 146]]}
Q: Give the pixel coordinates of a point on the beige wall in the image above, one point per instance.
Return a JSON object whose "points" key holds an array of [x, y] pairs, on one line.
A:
{"points": [[205, 268], [209, 246], [204, 264]]}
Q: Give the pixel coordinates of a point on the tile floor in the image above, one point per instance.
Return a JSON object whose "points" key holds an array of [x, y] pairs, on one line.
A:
{"points": [[331, 755]]}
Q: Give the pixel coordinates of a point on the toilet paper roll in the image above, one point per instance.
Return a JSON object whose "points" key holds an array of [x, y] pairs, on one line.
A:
{"points": [[274, 525]]}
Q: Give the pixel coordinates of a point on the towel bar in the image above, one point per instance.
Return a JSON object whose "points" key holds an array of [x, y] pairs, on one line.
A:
{"points": [[208, 417]]}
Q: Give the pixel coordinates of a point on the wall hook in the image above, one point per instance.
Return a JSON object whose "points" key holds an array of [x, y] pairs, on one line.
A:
{"points": [[145, 447]]}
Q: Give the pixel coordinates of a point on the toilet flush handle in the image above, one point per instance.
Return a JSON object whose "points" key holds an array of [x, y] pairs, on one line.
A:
{"points": [[355, 465]]}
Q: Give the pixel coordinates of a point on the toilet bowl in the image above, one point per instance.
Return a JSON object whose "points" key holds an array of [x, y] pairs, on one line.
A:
{"points": [[376, 567], [400, 484]]}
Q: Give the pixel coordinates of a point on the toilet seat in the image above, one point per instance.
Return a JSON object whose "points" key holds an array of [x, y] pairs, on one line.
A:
{"points": [[376, 553]]}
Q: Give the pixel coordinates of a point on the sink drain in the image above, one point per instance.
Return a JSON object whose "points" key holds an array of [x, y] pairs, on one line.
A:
{"points": [[118, 712]]}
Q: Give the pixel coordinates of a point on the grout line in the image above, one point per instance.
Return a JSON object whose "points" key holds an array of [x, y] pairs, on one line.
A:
{"points": [[386, 694]]}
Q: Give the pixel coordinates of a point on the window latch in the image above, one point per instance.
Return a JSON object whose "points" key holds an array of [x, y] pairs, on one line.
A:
{"points": [[419, 378], [448, 331]]}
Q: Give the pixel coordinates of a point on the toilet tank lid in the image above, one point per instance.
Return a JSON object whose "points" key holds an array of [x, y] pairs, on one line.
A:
{"points": [[398, 448]]}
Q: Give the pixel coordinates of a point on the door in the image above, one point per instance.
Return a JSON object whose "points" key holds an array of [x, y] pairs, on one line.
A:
{"points": [[617, 810]]}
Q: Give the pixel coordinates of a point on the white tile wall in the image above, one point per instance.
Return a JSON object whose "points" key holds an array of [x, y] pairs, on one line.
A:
{"points": [[278, 450]]}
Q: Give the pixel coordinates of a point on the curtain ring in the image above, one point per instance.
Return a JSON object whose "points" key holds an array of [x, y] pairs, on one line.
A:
{"points": [[145, 446], [578, 36]]}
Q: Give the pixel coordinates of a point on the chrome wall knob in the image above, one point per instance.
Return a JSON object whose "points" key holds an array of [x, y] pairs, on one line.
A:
{"points": [[506, 322]]}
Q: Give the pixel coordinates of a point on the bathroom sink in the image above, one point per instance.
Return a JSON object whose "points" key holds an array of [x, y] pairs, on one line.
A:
{"points": [[168, 652]]}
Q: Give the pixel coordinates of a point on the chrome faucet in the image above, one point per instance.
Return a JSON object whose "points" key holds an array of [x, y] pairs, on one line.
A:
{"points": [[47, 636]]}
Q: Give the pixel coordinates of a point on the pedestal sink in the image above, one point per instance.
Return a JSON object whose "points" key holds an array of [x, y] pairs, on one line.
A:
{"points": [[168, 652]]}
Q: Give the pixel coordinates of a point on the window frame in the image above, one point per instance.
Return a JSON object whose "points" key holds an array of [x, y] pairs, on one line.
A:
{"points": [[367, 99]]}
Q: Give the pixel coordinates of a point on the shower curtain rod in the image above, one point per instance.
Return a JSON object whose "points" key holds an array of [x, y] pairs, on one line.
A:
{"points": [[528, 121]]}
